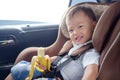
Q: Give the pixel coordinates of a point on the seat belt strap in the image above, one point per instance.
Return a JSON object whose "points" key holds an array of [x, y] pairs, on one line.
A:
{"points": [[70, 58]]}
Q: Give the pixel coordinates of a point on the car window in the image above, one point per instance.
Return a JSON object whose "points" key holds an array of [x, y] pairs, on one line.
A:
{"points": [[32, 10], [73, 2]]}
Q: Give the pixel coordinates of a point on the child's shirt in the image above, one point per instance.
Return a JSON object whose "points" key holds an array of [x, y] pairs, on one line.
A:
{"points": [[74, 70]]}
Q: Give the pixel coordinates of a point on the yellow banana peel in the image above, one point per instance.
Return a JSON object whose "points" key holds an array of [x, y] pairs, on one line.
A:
{"points": [[41, 59]]}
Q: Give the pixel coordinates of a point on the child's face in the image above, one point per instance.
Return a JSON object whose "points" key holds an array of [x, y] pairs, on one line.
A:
{"points": [[80, 27]]}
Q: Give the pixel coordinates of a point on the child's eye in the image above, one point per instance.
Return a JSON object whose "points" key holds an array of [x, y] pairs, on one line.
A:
{"points": [[71, 30], [80, 26]]}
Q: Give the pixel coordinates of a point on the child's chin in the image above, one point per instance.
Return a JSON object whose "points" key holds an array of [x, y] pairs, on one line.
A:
{"points": [[78, 43]]}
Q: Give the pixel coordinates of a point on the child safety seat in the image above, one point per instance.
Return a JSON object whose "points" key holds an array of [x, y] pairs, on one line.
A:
{"points": [[106, 38]]}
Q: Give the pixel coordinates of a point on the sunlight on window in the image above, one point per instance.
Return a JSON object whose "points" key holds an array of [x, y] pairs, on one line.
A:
{"points": [[33, 10]]}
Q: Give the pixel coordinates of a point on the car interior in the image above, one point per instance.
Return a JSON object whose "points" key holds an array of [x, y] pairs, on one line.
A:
{"points": [[106, 39]]}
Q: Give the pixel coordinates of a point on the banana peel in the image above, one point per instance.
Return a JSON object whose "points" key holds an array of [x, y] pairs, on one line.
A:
{"points": [[40, 59]]}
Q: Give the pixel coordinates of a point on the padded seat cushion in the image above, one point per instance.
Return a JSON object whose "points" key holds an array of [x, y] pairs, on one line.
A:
{"points": [[106, 26]]}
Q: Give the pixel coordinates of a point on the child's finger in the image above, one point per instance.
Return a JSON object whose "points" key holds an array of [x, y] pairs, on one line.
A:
{"points": [[41, 66]]}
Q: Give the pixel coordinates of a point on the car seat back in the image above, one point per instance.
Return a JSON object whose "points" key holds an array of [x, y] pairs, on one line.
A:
{"points": [[106, 40]]}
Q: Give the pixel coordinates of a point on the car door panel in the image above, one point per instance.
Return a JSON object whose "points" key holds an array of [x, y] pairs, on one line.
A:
{"points": [[14, 40]]}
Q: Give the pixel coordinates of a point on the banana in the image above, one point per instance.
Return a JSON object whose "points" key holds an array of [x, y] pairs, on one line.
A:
{"points": [[40, 62]]}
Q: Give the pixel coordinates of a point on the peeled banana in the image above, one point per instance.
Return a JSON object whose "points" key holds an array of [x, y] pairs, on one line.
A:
{"points": [[40, 62]]}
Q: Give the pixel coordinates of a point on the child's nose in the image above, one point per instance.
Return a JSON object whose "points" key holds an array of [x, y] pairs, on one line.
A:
{"points": [[75, 32]]}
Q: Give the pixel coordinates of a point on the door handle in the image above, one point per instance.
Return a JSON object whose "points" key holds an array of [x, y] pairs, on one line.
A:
{"points": [[7, 42]]}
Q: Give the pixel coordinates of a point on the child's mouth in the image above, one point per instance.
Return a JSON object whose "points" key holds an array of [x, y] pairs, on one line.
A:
{"points": [[78, 38]]}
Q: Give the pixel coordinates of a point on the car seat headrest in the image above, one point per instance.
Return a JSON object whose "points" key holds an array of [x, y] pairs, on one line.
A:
{"points": [[97, 8], [105, 26]]}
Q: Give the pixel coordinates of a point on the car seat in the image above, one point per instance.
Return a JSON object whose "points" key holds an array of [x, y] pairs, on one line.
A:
{"points": [[106, 39]]}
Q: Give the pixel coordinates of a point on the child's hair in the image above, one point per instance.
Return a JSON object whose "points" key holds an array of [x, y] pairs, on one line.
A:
{"points": [[86, 10]]}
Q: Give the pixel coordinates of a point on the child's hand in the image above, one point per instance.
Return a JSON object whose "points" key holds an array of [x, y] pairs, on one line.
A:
{"points": [[66, 47], [38, 64], [41, 66]]}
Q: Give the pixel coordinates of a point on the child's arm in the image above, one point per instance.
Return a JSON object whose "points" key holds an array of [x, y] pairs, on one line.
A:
{"points": [[91, 72], [66, 47]]}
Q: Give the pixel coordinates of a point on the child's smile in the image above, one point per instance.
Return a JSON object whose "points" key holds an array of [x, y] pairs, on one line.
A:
{"points": [[78, 39]]}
